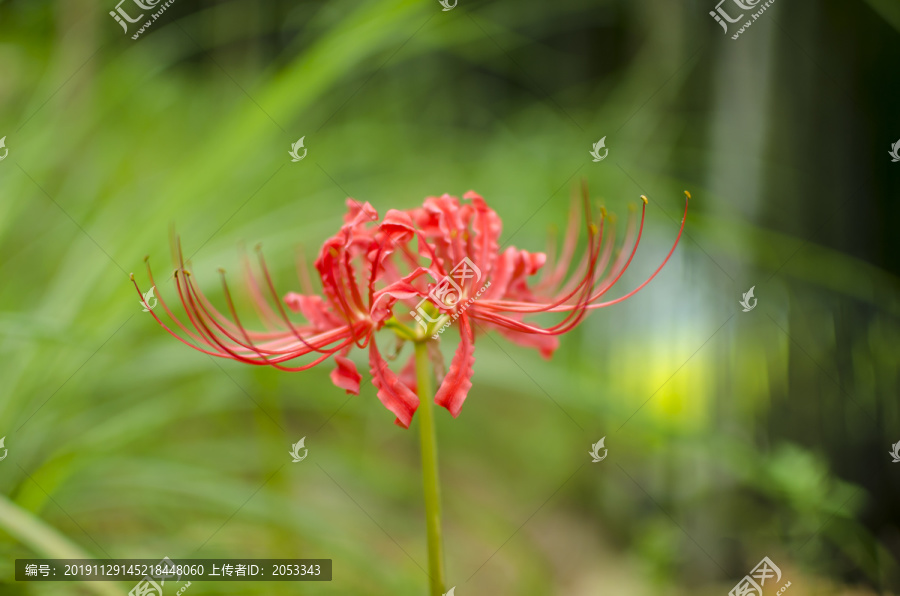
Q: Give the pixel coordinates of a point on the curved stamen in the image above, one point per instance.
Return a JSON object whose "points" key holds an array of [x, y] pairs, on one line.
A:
{"points": [[687, 197]]}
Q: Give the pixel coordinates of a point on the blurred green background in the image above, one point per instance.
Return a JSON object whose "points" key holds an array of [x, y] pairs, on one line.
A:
{"points": [[731, 435]]}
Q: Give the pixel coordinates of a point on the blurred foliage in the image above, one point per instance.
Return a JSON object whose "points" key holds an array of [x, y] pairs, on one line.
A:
{"points": [[731, 435]]}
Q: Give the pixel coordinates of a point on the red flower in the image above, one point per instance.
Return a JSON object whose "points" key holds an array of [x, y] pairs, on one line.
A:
{"points": [[431, 266]]}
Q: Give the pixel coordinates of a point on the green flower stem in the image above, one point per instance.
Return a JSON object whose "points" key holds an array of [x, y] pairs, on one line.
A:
{"points": [[428, 442]]}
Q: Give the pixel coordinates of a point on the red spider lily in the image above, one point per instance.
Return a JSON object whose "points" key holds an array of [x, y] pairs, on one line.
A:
{"points": [[434, 265]]}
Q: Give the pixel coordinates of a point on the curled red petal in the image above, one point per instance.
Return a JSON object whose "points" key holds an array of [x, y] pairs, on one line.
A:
{"points": [[398, 225], [382, 305], [455, 387], [345, 376], [394, 395], [358, 213], [486, 229]]}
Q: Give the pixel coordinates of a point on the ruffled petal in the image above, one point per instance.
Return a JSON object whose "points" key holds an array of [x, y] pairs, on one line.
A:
{"points": [[398, 225], [396, 397], [358, 213], [345, 376], [486, 228], [384, 300], [513, 267], [455, 387]]}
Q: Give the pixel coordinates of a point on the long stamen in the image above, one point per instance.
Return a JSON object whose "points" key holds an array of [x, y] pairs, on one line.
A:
{"points": [[550, 265], [214, 338], [569, 240], [241, 327], [585, 284], [577, 313], [637, 241], [282, 356], [303, 272], [271, 286], [165, 306], [265, 312], [687, 197], [190, 310], [169, 330]]}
